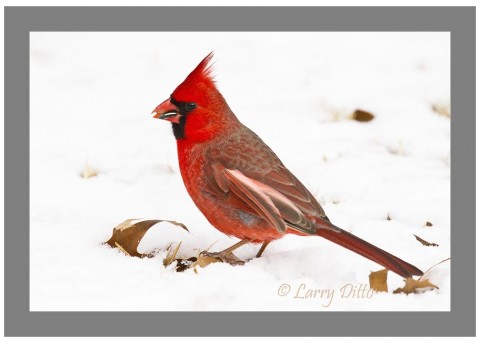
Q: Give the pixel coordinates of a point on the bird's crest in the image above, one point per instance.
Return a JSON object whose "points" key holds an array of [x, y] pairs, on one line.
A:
{"points": [[197, 82]]}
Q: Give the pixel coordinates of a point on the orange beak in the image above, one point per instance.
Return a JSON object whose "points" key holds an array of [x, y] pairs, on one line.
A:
{"points": [[167, 111]]}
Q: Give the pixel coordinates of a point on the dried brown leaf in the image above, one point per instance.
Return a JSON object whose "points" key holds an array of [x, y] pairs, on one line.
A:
{"points": [[424, 242], [378, 280], [127, 236], [362, 116], [414, 286]]}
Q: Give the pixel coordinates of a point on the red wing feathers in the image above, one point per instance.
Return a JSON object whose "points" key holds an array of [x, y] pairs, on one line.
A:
{"points": [[270, 204]]}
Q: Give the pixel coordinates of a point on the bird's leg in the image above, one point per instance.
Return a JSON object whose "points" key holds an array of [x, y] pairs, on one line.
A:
{"points": [[262, 249], [236, 246], [227, 254]]}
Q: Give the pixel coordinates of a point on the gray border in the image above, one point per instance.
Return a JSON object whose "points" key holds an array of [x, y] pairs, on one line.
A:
{"points": [[19, 21]]}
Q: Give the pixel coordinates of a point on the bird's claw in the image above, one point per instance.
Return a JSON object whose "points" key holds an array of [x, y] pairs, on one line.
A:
{"points": [[226, 257]]}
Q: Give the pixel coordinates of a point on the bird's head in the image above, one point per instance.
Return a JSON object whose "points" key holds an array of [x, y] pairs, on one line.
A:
{"points": [[196, 108]]}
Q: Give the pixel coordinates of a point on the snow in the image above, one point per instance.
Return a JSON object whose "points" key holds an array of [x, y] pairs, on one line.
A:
{"points": [[90, 102]]}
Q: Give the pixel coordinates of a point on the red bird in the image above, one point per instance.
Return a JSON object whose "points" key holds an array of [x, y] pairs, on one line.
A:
{"points": [[238, 182]]}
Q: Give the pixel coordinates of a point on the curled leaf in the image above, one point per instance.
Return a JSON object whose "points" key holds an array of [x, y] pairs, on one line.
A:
{"points": [[127, 235]]}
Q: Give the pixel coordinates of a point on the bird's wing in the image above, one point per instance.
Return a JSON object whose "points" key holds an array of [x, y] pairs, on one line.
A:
{"points": [[247, 153], [246, 167], [262, 199]]}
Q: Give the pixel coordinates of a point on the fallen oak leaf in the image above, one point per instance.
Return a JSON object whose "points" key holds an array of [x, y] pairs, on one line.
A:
{"points": [[378, 280], [424, 242], [127, 235], [412, 285]]}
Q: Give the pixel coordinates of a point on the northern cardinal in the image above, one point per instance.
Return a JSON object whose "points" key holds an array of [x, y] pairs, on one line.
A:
{"points": [[238, 182]]}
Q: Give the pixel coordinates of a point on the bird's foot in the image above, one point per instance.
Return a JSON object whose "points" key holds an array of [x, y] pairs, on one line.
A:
{"points": [[226, 257]]}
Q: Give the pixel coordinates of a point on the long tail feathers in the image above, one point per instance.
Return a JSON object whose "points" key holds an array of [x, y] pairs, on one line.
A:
{"points": [[370, 251]]}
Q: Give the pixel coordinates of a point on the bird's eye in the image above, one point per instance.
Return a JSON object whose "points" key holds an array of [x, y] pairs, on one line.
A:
{"points": [[190, 106]]}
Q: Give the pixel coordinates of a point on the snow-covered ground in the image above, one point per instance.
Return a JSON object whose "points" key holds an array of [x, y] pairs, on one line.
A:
{"points": [[91, 98]]}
